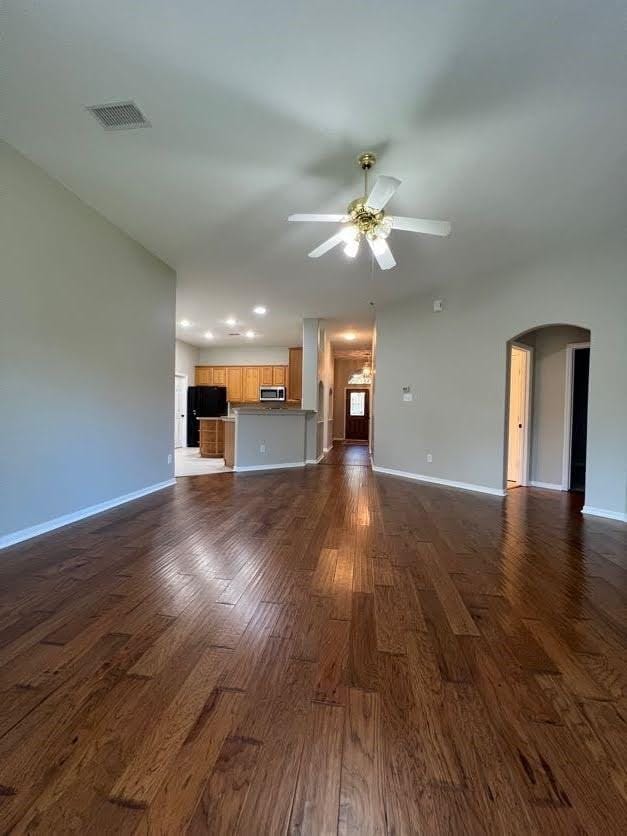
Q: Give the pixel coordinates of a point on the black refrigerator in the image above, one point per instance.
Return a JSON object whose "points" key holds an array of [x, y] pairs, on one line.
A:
{"points": [[203, 402]]}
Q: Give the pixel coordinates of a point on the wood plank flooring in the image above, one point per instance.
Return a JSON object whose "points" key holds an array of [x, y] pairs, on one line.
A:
{"points": [[317, 651]]}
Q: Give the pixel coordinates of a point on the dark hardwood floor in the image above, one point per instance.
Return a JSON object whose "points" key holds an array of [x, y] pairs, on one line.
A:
{"points": [[348, 453], [316, 651]]}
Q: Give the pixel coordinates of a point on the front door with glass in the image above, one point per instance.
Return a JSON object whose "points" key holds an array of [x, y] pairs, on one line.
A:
{"points": [[357, 414]]}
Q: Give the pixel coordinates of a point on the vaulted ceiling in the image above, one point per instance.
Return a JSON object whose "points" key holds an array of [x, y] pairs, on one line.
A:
{"points": [[507, 118]]}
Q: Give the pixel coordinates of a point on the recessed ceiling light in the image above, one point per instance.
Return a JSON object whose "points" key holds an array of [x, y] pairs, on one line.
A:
{"points": [[250, 334], [260, 310], [231, 321], [208, 335], [350, 336], [185, 323]]}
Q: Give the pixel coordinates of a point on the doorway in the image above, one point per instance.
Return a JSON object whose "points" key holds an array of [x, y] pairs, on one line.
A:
{"points": [[180, 404], [576, 417], [518, 416], [357, 414]]}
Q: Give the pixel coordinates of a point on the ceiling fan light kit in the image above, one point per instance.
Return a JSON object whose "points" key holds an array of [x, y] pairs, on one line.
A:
{"points": [[365, 218]]}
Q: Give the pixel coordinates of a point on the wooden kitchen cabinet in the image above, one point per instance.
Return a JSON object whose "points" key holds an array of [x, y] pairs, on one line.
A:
{"points": [[242, 382], [211, 438], [251, 383], [295, 374], [204, 376], [265, 376], [234, 383], [219, 376], [278, 375]]}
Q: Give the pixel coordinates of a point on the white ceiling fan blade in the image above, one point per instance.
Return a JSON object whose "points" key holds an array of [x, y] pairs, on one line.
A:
{"points": [[327, 245], [383, 189], [421, 225], [318, 218], [382, 253]]}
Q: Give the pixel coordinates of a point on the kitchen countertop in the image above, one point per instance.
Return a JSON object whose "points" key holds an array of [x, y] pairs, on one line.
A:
{"points": [[277, 411]]}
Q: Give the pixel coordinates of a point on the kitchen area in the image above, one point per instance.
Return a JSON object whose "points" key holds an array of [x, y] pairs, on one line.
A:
{"points": [[227, 415], [253, 407]]}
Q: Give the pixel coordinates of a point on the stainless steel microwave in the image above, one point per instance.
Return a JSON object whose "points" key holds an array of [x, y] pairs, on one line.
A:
{"points": [[272, 393]]}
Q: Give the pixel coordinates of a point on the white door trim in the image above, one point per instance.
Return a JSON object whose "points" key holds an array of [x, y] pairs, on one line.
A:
{"points": [[526, 457], [184, 378], [568, 410]]}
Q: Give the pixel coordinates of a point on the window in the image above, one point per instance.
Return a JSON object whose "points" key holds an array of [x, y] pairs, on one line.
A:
{"points": [[357, 406]]}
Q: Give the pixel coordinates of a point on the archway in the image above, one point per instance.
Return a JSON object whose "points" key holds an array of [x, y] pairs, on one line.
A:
{"points": [[546, 408]]}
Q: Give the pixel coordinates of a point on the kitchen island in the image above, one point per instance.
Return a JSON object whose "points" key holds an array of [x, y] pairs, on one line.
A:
{"points": [[268, 439]]}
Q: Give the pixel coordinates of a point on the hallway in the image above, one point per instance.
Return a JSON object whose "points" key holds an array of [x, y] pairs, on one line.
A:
{"points": [[321, 650], [348, 453]]}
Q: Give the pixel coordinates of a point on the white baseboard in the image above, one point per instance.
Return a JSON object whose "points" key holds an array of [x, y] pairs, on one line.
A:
{"points": [[447, 483], [547, 486], [251, 467], [75, 516], [318, 460], [603, 512], [339, 438]]}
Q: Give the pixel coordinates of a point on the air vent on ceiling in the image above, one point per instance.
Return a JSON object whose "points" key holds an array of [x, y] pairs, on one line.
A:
{"points": [[235, 334], [119, 116]]}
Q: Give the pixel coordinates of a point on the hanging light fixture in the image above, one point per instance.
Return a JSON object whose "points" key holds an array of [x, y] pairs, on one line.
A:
{"points": [[363, 377]]}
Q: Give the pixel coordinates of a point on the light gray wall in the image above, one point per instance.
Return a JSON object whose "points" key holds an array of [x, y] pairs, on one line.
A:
{"points": [[326, 377], [283, 435], [455, 362], [244, 356], [317, 383], [86, 354], [311, 363], [548, 399], [186, 360]]}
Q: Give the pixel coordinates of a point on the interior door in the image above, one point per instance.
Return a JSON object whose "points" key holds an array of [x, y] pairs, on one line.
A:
{"points": [[180, 402], [357, 414], [579, 429], [517, 417]]}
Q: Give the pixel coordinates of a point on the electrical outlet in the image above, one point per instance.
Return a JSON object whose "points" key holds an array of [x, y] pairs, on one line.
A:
{"points": [[262, 448], [429, 458], [169, 458]]}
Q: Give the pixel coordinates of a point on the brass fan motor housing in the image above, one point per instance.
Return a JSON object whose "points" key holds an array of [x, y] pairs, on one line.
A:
{"points": [[363, 218]]}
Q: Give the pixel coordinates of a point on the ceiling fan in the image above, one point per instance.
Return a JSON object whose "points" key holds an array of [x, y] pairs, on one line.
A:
{"points": [[365, 218]]}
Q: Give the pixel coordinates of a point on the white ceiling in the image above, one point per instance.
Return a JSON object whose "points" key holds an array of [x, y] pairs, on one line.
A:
{"points": [[508, 118]]}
